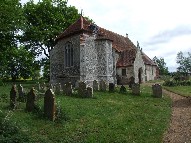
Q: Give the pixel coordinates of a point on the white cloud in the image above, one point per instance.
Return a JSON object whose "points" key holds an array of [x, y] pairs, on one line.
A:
{"points": [[143, 20]]}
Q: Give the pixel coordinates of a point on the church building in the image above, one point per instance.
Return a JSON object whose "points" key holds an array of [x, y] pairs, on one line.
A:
{"points": [[87, 52]]}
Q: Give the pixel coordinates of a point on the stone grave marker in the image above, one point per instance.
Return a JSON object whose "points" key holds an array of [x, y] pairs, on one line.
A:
{"points": [[58, 89], [68, 89], [38, 86], [123, 89], [103, 85], [136, 89], [82, 89], [131, 82], [49, 105], [21, 92], [111, 87], [77, 84], [13, 96], [89, 92], [30, 104], [95, 85], [157, 90]]}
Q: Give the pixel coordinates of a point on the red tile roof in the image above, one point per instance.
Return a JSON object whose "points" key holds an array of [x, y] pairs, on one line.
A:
{"points": [[120, 43], [126, 58]]}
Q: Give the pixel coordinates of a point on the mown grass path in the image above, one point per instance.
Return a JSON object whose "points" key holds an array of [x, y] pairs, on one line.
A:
{"points": [[179, 130]]}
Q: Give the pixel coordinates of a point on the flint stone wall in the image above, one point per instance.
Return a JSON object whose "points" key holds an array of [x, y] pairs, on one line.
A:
{"points": [[59, 73]]}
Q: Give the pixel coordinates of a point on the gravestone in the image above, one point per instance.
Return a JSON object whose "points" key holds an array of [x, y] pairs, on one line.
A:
{"points": [[103, 85], [49, 105], [38, 86], [68, 89], [82, 89], [13, 95], [136, 89], [157, 90], [21, 92], [89, 92], [30, 104], [123, 89], [111, 87], [58, 89], [77, 84], [131, 82], [95, 85]]}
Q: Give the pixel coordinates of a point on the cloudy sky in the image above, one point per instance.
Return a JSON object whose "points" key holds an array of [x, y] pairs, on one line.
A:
{"points": [[162, 27]]}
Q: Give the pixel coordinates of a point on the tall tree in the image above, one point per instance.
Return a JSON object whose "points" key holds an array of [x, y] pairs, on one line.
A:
{"points": [[184, 63], [163, 70], [11, 21], [44, 22], [21, 64]]}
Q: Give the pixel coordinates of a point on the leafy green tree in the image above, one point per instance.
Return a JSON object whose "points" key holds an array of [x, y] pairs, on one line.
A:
{"points": [[11, 21], [44, 22], [184, 63], [21, 64], [163, 70]]}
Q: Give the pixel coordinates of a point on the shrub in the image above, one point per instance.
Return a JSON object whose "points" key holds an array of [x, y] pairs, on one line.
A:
{"points": [[10, 132], [1, 82]]}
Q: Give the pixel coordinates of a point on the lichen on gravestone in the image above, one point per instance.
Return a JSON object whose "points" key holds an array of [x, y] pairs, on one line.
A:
{"points": [[30, 104], [49, 105]]}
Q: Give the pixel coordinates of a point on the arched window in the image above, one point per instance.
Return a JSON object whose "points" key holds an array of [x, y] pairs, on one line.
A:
{"points": [[68, 54]]}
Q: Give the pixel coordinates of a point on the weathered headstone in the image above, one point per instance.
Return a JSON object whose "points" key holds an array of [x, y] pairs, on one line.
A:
{"points": [[131, 82], [58, 89], [89, 92], [95, 85], [77, 84], [111, 87], [30, 104], [136, 89], [123, 89], [21, 92], [38, 86], [13, 95], [82, 89], [49, 105], [157, 90], [68, 89], [103, 85]]}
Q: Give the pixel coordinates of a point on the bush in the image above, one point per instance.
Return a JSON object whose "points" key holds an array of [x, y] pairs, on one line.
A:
{"points": [[177, 83], [1, 82], [10, 132]]}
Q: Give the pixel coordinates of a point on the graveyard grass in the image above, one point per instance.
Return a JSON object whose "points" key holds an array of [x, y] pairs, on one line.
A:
{"points": [[108, 117], [181, 90]]}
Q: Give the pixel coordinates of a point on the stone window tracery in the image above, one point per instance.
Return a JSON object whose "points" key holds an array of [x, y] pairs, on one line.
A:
{"points": [[68, 55]]}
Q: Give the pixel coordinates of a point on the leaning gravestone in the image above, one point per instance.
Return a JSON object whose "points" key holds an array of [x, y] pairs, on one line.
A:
{"points": [[13, 95], [89, 92], [82, 89], [157, 90], [102, 85], [123, 89], [111, 87], [49, 105], [30, 104], [21, 92], [95, 85], [136, 89], [68, 89]]}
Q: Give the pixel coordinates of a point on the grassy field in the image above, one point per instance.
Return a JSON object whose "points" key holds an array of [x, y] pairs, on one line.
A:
{"points": [[108, 117], [182, 90]]}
